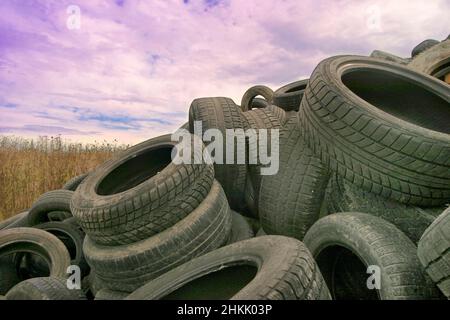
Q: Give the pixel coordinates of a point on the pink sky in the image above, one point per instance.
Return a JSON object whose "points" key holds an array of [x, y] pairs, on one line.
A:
{"points": [[133, 67]]}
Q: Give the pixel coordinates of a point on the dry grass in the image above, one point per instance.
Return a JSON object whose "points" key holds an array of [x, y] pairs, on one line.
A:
{"points": [[28, 168]]}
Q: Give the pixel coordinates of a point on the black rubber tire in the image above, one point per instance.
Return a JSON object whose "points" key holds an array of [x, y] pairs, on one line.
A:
{"points": [[154, 193], [288, 97], [240, 229], [290, 201], [259, 103], [434, 252], [342, 196], [434, 61], [127, 267], [371, 148], [249, 198], [282, 115], [346, 244], [17, 241], [106, 294], [252, 93], [71, 236], [285, 271], [389, 57], [59, 216], [9, 275], [16, 221], [44, 288], [222, 113], [55, 200], [423, 46], [258, 119], [73, 183]]}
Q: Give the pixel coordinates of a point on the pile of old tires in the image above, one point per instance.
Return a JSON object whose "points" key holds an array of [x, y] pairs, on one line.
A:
{"points": [[356, 210]]}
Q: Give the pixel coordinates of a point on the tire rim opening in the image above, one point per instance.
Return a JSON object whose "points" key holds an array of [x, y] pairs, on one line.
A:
{"points": [[345, 274], [135, 170], [442, 70], [400, 97], [296, 88], [218, 285]]}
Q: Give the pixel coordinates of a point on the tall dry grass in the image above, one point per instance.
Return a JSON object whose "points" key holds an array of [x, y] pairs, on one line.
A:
{"points": [[28, 168]]}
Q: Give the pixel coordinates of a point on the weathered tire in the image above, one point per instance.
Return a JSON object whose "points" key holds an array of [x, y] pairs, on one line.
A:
{"points": [[126, 267], [434, 253], [49, 202], [44, 288], [252, 93], [423, 46], [267, 268], [435, 61], [406, 160], [240, 229], [290, 200], [346, 244], [389, 57], [106, 294], [342, 196], [288, 97], [72, 237], [73, 183], [222, 114], [9, 275], [139, 193], [259, 103], [249, 198], [258, 119], [16, 221], [17, 241]]}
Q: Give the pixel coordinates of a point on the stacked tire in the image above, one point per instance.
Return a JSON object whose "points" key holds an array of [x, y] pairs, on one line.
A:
{"points": [[332, 187]]}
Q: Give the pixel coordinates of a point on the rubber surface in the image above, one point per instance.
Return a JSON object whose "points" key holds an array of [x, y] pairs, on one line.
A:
{"points": [[266, 268]]}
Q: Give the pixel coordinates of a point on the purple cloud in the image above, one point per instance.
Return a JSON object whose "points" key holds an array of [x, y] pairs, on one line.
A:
{"points": [[133, 67]]}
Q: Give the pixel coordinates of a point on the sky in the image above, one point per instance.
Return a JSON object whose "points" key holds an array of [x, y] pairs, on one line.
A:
{"points": [[128, 70]]}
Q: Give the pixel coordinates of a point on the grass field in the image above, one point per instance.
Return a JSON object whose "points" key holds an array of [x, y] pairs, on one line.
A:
{"points": [[28, 168]]}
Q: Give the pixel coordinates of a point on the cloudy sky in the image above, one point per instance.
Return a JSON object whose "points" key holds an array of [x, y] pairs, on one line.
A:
{"points": [[128, 69]]}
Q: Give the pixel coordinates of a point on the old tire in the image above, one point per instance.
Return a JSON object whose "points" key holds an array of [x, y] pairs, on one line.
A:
{"points": [[434, 61], [434, 253], [18, 241], [290, 200], [139, 193], [72, 237], [423, 46], [252, 93], [389, 57], [126, 267], [240, 229], [342, 196], [49, 202], [259, 103], [267, 268], [44, 288], [222, 114], [16, 221], [376, 144], [73, 183], [258, 119], [288, 97], [345, 245]]}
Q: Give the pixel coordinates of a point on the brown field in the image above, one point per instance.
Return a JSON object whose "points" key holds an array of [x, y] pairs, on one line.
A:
{"points": [[28, 168]]}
